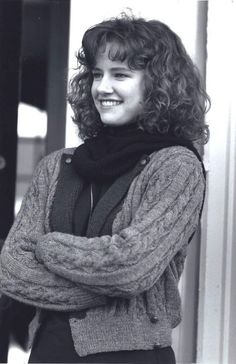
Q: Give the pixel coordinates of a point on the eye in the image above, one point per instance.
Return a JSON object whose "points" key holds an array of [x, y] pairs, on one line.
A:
{"points": [[97, 75], [121, 76]]}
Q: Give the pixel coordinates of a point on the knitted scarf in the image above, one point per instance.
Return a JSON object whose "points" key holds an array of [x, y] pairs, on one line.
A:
{"points": [[117, 149]]}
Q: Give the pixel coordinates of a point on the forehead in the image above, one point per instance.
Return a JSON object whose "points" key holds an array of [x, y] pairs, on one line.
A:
{"points": [[111, 54], [104, 62]]}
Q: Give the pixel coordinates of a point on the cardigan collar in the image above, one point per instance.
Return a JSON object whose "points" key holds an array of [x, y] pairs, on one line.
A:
{"points": [[70, 185]]}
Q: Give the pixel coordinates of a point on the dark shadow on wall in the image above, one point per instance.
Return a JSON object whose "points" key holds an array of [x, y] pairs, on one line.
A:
{"points": [[10, 38], [33, 69]]}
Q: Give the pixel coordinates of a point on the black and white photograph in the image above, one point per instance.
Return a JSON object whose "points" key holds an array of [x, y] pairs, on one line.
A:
{"points": [[118, 181]]}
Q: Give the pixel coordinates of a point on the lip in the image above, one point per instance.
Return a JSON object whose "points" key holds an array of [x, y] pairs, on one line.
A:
{"points": [[115, 100], [106, 103]]}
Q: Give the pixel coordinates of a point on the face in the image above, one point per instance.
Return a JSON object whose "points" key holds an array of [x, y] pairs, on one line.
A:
{"points": [[117, 91]]}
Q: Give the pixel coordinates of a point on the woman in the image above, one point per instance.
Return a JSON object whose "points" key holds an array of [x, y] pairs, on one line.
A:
{"points": [[100, 242]]}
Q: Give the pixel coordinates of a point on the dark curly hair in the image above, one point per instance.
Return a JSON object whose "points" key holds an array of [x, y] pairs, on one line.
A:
{"points": [[174, 100]]}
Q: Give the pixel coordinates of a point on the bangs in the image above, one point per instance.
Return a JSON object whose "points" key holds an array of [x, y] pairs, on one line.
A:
{"points": [[120, 48]]}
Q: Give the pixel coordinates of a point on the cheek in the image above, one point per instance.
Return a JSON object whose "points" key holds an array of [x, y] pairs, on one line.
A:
{"points": [[93, 91], [139, 99], [93, 94], [139, 90], [142, 89]]}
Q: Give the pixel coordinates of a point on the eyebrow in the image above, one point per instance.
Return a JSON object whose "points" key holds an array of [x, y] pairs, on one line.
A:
{"points": [[116, 69]]}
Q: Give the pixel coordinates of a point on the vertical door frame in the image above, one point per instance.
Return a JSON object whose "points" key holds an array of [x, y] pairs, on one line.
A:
{"points": [[217, 294]]}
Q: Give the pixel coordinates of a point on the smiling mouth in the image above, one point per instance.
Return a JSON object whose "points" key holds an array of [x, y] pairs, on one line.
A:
{"points": [[110, 102]]}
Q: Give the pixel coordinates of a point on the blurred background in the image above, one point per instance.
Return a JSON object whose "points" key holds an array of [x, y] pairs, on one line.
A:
{"points": [[38, 42]]}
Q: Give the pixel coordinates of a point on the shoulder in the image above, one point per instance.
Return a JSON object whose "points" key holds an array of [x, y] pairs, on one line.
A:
{"points": [[175, 157], [176, 166], [50, 164], [177, 153], [54, 158]]}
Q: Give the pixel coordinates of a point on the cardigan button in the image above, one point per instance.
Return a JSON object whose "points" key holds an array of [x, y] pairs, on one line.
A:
{"points": [[144, 160], [154, 319], [68, 160]]}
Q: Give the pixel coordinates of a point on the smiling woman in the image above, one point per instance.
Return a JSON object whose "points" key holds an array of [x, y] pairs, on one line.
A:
{"points": [[99, 244]]}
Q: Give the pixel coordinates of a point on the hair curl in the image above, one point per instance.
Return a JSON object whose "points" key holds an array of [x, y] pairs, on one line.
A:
{"points": [[174, 100]]}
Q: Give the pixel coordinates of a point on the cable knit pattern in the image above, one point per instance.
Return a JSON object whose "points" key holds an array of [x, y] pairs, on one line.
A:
{"points": [[135, 256], [129, 277], [21, 275]]}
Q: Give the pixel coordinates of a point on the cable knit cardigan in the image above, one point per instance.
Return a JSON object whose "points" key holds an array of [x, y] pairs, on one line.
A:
{"points": [[127, 282]]}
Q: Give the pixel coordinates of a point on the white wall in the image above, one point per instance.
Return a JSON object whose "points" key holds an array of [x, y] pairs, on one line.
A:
{"points": [[217, 296]]}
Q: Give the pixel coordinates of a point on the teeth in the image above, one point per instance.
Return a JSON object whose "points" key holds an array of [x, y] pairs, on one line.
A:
{"points": [[110, 102]]}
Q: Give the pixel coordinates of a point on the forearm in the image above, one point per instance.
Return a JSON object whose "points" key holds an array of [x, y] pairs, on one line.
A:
{"points": [[59, 298], [133, 259], [21, 275], [41, 288]]}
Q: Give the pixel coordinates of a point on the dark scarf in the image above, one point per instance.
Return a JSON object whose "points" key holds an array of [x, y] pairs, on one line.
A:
{"points": [[117, 149]]}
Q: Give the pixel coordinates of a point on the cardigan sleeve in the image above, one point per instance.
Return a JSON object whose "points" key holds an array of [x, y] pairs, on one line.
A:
{"points": [[22, 277], [165, 200]]}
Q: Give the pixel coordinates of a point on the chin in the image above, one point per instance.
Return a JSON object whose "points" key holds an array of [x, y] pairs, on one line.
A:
{"points": [[115, 122], [112, 123]]}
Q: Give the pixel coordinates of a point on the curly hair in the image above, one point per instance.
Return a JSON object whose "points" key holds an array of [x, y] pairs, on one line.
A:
{"points": [[174, 99]]}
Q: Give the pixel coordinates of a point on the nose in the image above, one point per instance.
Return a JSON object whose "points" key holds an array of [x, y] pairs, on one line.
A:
{"points": [[105, 85]]}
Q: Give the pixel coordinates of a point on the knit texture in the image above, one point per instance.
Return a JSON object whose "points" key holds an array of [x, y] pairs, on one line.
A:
{"points": [[128, 281]]}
